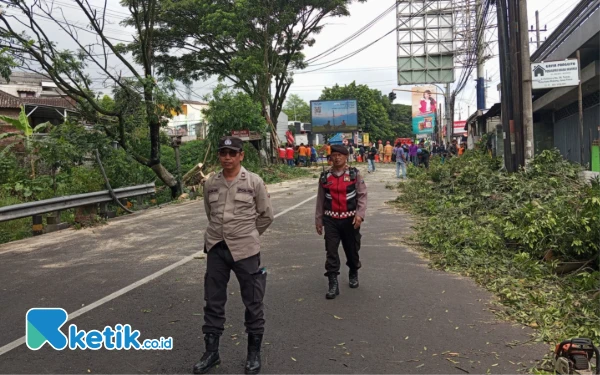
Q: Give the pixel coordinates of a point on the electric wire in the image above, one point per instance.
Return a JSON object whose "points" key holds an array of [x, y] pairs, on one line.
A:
{"points": [[354, 53], [355, 35]]}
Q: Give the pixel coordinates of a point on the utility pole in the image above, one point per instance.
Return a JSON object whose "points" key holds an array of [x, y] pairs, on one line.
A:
{"points": [[480, 32], [537, 30], [188, 91], [449, 119], [515, 51], [505, 79], [580, 106], [527, 119]]}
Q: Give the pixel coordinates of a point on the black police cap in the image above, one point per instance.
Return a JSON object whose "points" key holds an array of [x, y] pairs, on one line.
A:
{"points": [[233, 143], [339, 148]]}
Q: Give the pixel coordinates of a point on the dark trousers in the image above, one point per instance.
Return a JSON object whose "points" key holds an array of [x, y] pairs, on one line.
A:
{"points": [[336, 231], [252, 281]]}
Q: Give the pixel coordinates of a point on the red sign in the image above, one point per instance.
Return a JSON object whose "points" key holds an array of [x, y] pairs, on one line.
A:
{"points": [[289, 137], [240, 133], [403, 141], [459, 128]]}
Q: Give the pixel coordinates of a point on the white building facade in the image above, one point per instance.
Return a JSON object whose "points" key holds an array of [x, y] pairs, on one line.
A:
{"points": [[190, 123], [29, 85]]}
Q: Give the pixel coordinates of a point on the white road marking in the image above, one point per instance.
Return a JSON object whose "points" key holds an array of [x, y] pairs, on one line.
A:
{"points": [[18, 342]]}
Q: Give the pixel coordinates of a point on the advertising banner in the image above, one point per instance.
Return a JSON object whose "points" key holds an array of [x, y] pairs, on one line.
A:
{"points": [[424, 107], [365, 139], [333, 116]]}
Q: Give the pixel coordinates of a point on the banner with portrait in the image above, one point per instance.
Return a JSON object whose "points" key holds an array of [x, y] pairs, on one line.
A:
{"points": [[424, 109]]}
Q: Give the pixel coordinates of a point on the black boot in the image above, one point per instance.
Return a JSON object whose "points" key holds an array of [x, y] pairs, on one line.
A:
{"points": [[253, 359], [211, 357], [353, 276], [334, 288]]}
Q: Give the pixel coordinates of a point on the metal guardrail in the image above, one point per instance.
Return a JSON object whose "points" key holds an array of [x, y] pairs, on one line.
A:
{"points": [[22, 210]]}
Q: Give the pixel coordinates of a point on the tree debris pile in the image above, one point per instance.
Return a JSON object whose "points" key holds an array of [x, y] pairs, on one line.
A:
{"points": [[516, 234]]}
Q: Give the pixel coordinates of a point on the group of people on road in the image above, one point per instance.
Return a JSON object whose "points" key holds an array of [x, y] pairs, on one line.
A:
{"points": [[420, 154], [238, 208], [302, 155]]}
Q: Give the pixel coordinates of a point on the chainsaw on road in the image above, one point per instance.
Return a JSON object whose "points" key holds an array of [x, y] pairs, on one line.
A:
{"points": [[575, 357]]}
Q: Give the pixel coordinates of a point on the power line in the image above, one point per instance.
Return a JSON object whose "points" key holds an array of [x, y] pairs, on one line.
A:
{"points": [[352, 54], [358, 33], [113, 13], [562, 14], [47, 18]]}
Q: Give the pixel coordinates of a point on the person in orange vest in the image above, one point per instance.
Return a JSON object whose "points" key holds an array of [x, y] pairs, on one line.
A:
{"points": [[387, 152], [302, 154], [327, 150], [462, 148], [289, 154], [281, 153]]}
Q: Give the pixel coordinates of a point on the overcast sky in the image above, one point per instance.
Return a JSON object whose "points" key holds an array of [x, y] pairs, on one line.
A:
{"points": [[375, 66]]}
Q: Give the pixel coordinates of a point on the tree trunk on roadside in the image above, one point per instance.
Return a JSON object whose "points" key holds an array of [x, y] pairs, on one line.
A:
{"points": [[167, 178]]}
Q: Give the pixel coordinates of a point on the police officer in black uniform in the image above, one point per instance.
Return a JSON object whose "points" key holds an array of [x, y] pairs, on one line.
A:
{"points": [[341, 209]]}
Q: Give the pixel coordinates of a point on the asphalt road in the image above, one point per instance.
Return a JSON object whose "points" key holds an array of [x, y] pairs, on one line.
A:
{"points": [[404, 318]]}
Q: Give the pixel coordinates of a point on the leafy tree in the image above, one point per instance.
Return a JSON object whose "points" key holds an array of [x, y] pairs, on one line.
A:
{"points": [[372, 115], [400, 116], [297, 109], [66, 146], [232, 110], [139, 94], [256, 44], [22, 135], [6, 64]]}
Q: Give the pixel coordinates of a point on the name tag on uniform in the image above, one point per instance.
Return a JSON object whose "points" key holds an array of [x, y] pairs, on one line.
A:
{"points": [[245, 191]]}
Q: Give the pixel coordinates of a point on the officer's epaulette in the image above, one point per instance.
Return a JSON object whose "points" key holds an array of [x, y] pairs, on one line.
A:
{"points": [[323, 177]]}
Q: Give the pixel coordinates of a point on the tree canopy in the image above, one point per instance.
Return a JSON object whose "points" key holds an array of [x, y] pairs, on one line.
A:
{"points": [[139, 93], [372, 114], [232, 110], [401, 118], [297, 109], [256, 44]]}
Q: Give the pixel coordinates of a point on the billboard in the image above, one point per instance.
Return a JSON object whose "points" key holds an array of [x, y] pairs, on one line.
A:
{"points": [[333, 116], [426, 41], [424, 109]]}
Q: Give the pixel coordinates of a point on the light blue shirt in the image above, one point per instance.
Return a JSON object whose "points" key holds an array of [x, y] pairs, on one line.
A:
{"points": [[399, 152]]}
